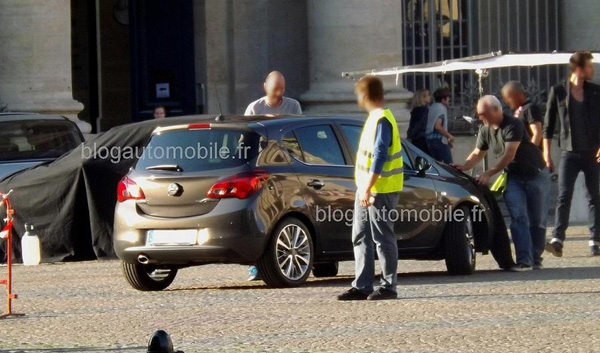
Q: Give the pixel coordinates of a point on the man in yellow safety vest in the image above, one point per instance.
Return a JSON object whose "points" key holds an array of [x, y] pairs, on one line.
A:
{"points": [[379, 178]]}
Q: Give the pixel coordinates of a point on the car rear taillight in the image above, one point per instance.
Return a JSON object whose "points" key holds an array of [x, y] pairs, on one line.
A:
{"points": [[129, 190], [240, 186]]}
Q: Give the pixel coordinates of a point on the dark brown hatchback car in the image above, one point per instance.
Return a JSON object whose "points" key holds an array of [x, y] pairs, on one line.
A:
{"points": [[279, 193]]}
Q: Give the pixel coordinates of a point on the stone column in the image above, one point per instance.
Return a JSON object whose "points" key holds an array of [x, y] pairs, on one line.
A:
{"points": [[348, 35], [35, 58]]}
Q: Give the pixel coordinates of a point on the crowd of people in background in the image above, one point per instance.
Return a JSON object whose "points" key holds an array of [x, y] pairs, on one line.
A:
{"points": [[522, 145]]}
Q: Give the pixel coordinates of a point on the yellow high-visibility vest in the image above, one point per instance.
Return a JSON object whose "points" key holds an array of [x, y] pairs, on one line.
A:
{"points": [[391, 178]]}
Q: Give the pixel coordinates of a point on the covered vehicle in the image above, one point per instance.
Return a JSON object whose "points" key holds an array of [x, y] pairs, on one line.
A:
{"points": [[28, 139], [279, 192]]}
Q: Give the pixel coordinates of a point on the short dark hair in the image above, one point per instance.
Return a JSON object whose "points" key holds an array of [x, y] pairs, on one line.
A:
{"points": [[159, 107], [441, 93], [372, 86], [579, 59], [514, 86]]}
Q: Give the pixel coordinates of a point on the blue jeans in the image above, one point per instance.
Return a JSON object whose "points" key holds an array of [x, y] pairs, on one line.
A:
{"points": [[439, 150], [372, 228], [571, 163], [527, 204]]}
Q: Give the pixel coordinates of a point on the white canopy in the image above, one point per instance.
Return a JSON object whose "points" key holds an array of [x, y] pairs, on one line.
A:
{"points": [[477, 63]]}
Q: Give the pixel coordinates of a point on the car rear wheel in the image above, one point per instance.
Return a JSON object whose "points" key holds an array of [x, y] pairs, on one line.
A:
{"points": [[288, 259], [148, 277], [459, 241], [328, 269]]}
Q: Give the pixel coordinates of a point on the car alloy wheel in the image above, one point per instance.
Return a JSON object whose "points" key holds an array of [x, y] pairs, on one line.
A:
{"points": [[293, 252]]}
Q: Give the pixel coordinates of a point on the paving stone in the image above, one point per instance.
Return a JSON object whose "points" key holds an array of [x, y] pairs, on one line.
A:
{"points": [[88, 307]]}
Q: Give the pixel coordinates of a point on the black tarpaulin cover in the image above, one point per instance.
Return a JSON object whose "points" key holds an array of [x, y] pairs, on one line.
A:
{"points": [[71, 201]]}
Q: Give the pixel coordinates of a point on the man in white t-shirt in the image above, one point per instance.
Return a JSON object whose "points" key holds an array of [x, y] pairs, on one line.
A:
{"points": [[274, 103]]}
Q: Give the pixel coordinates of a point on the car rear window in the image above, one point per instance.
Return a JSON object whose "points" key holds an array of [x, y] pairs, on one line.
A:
{"points": [[199, 150], [22, 140]]}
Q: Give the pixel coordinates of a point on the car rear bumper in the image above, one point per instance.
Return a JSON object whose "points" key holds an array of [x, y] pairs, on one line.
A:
{"points": [[236, 234], [183, 255]]}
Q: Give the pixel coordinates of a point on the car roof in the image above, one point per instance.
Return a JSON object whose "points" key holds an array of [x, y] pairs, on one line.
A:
{"points": [[268, 121], [26, 116]]}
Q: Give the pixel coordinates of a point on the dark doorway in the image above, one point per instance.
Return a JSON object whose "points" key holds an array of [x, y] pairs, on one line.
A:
{"points": [[84, 59], [162, 57]]}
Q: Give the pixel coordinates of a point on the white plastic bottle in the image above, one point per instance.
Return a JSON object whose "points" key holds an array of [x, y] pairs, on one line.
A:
{"points": [[30, 247]]}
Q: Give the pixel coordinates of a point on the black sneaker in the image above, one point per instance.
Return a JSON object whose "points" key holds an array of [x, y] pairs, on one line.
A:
{"points": [[554, 248], [594, 250], [538, 266], [353, 294], [383, 294], [521, 268]]}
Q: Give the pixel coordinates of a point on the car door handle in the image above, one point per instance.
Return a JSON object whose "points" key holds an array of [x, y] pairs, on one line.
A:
{"points": [[316, 184]]}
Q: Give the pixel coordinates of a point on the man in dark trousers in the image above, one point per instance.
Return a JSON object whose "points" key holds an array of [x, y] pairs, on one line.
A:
{"points": [[574, 106], [527, 179]]}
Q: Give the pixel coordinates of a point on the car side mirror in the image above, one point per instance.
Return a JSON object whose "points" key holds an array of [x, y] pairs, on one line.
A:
{"points": [[422, 164]]}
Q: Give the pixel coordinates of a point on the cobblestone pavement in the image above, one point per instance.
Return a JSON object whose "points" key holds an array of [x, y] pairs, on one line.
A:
{"points": [[88, 307]]}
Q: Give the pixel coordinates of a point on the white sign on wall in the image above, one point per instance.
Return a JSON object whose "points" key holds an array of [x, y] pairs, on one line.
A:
{"points": [[162, 90]]}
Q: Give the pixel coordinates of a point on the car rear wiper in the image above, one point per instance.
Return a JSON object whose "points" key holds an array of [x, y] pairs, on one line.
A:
{"points": [[170, 167]]}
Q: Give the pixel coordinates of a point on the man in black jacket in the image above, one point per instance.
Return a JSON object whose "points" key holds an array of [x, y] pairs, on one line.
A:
{"points": [[574, 106]]}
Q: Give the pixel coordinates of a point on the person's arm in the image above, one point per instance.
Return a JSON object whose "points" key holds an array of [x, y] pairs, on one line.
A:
{"points": [[249, 110], [298, 108], [534, 120], [510, 150], [383, 139], [549, 127], [440, 128], [481, 147], [536, 133], [412, 126], [472, 160]]}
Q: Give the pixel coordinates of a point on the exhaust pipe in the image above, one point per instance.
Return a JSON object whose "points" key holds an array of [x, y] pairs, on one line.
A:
{"points": [[143, 259]]}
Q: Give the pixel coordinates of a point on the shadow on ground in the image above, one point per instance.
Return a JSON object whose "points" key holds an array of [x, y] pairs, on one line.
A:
{"points": [[76, 349], [438, 277]]}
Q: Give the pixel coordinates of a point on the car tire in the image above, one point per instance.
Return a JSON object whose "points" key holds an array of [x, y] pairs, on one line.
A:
{"points": [[328, 269], [288, 258], [459, 242], [145, 278]]}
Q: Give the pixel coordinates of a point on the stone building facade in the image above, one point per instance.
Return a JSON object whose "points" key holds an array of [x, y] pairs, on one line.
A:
{"points": [[109, 62]]}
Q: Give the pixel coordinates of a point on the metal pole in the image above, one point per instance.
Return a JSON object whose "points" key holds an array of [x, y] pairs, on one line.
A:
{"points": [[480, 74], [8, 281]]}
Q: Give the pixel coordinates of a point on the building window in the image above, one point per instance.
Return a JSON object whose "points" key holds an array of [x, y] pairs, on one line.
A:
{"points": [[437, 30]]}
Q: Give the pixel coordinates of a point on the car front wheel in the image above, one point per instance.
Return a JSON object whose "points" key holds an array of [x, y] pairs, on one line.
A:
{"points": [[288, 259], [148, 277], [459, 241]]}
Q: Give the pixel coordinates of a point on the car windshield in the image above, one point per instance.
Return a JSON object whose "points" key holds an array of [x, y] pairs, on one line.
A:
{"points": [[38, 139], [198, 150]]}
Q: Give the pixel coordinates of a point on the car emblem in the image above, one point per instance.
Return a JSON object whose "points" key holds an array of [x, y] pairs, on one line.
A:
{"points": [[174, 189]]}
